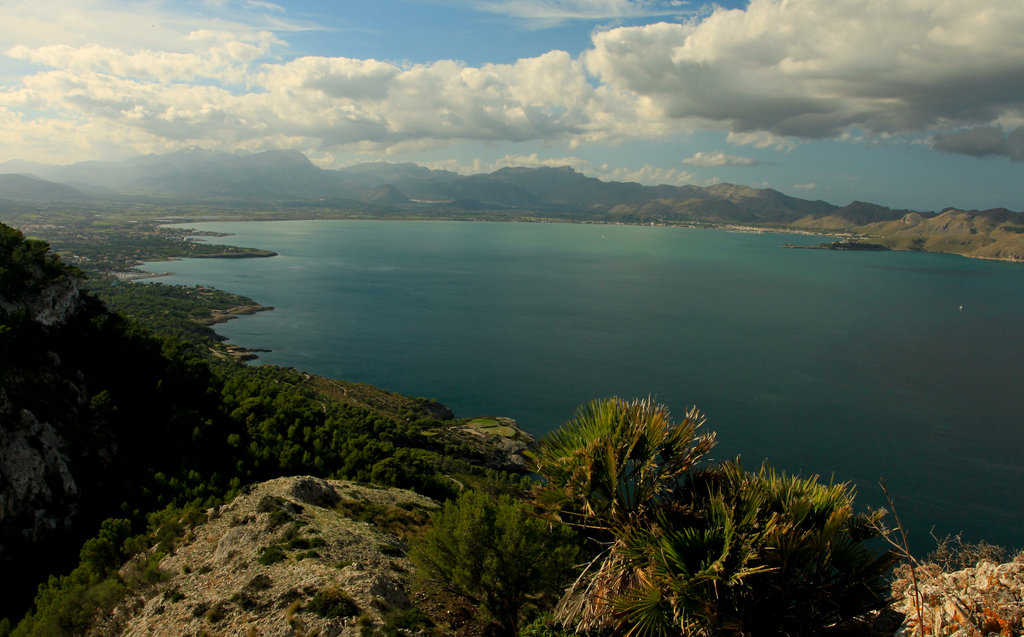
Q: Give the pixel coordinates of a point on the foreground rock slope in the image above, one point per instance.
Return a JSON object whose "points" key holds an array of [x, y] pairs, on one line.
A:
{"points": [[287, 557], [307, 556]]}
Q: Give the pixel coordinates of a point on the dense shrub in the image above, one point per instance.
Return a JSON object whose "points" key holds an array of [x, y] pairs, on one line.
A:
{"points": [[332, 603], [493, 554]]}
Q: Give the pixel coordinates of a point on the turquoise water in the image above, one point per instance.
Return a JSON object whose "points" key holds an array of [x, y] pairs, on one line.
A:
{"points": [[857, 365]]}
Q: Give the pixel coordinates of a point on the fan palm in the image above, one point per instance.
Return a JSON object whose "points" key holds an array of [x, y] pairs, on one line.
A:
{"points": [[616, 461], [689, 548], [754, 554], [611, 470]]}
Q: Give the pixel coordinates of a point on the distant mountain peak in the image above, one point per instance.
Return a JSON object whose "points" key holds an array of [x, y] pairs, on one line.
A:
{"points": [[386, 194]]}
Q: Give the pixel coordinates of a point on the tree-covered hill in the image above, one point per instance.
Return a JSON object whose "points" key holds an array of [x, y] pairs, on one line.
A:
{"points": [[100, 418]]}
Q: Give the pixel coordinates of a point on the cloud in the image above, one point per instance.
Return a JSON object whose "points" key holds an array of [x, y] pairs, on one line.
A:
{"points": [[646, 174], [815, 68], [810, 186], [981, 141], [721, 160], [224, 56], [229, 91], [769, 74], [760, 139], [153, 25]]}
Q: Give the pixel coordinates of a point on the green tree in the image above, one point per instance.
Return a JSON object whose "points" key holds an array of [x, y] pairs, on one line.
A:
{"points": [[493, 554], [104, 553]]}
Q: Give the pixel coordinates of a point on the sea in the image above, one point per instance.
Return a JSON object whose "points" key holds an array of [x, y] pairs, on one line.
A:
{"points": [[853, 366]]}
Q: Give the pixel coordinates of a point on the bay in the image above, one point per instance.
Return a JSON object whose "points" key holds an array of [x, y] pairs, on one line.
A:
{"points": [[853, 365]]}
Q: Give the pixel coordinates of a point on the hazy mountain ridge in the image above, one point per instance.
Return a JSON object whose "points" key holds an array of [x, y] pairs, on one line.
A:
{"points": [[30, 188], [289, 175], [288, 178]]}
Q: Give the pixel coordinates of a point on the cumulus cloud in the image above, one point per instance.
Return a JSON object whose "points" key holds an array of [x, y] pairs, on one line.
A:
{"points": [[720, 160], [815, 68], [546, 97], [227, 92], [810, 186], [226, 58], [760, 139], [646, 174], [981, 141], [771, 73]]}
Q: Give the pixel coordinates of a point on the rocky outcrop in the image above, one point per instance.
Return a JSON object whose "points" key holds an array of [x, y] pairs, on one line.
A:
{"points": [[37, 489], [289, 556], [50, 305], [500, 441], [984, 600]]}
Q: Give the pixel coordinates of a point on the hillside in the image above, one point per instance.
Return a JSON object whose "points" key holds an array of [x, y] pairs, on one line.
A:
{"points": [[100, 417], [34, 189], [295, 555], [987, 234]]}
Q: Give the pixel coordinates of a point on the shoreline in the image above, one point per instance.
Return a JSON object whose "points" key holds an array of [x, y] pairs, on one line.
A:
{"points": [[223, 316], [693, 225]]}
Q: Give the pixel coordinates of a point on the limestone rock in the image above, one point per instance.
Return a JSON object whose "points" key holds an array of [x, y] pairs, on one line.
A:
{"points": [[281, 559], [987, 599], [34, 478]]}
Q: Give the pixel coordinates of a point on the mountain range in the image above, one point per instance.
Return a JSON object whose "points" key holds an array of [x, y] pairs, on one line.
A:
{"points": [[287, 178]]}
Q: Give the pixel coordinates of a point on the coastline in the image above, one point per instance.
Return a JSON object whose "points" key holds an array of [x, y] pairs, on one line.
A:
{"points": [[223, 316], [837, 234], [252, 253]]}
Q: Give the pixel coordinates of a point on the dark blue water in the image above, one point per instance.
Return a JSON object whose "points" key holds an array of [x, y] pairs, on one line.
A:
{"points": [[857, 365]]}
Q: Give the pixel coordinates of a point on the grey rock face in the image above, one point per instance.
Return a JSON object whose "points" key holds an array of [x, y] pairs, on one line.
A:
{"points": [[37, 489]]}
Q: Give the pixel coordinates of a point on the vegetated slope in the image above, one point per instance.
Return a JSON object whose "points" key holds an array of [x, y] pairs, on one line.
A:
{"points": [[88, 406], [294, 555], [99, 418]]}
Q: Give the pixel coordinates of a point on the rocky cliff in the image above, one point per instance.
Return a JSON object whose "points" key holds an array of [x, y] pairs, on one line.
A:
{"points": [[38, 491]]}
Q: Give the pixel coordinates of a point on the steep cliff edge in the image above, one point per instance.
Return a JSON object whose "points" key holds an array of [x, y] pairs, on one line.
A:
{"points": [[87, 403], [39, 494]]}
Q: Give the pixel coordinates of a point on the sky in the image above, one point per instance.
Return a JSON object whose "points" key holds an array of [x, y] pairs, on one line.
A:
{"points": [[913, 104]]}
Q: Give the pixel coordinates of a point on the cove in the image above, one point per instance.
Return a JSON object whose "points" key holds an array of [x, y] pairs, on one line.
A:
{"points": [[859, 365]]}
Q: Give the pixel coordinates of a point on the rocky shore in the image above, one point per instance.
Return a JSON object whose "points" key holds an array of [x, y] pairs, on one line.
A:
{"points": [[223, 316]]}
